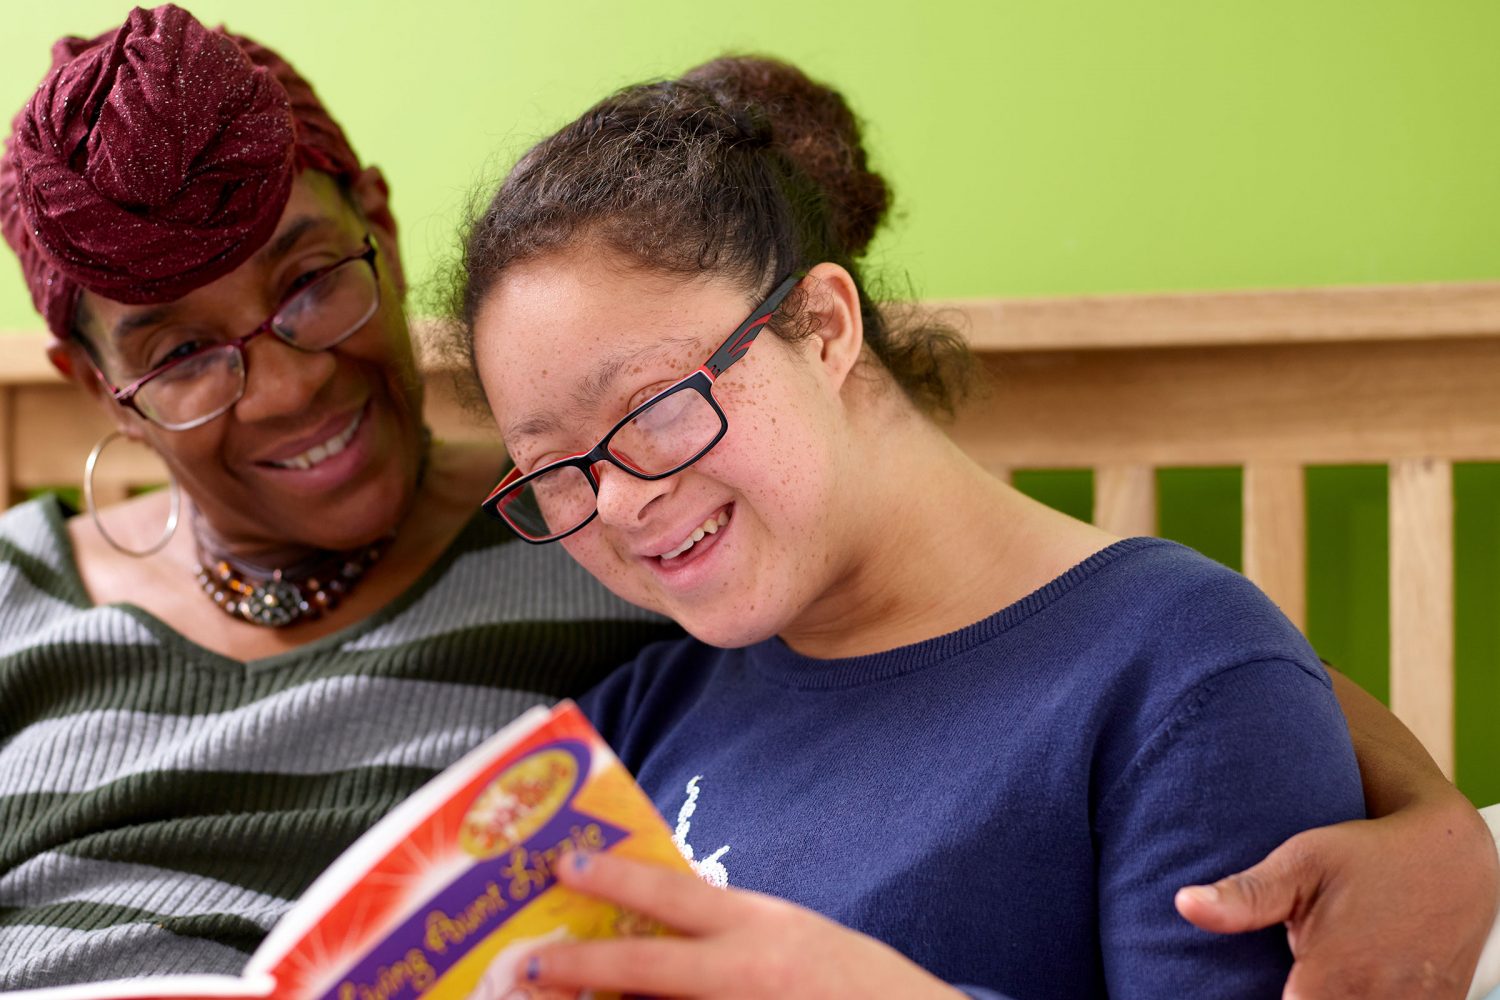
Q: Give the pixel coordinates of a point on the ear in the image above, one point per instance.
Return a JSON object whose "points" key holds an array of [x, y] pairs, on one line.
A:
{"points": [[833, 302], [71, 359], [60, 353], [373, 196]]}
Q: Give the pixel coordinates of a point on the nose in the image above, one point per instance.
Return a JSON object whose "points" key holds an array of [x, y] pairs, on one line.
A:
{"points": [[281, 380], [625, 500]]}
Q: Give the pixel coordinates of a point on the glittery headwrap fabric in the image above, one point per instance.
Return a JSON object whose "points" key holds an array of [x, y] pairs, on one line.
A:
{"points": [[154, 159]]}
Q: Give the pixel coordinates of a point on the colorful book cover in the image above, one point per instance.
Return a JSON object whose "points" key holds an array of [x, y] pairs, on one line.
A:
{"points": [[446, 896]]}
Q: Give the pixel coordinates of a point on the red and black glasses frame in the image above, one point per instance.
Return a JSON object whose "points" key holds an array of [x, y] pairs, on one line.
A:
{"points": [[700, 381]]}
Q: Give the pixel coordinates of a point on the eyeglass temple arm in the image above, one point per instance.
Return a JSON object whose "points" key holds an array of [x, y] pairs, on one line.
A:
{"points": [[740, 340], [503, 485]]}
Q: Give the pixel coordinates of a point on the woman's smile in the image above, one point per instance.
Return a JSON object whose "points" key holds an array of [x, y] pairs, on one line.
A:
{"points": [[325, 446], [331, 462]]}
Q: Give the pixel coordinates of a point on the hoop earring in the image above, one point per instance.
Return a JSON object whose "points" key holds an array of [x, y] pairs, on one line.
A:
{"points": [[88, 499]]}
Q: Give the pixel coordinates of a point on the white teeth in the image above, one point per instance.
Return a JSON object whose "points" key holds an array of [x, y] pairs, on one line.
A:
{"points": [[318, 452], [708, 527]]}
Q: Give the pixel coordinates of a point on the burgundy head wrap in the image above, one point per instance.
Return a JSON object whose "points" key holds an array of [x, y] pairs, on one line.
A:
{"points": [[154, 159]]}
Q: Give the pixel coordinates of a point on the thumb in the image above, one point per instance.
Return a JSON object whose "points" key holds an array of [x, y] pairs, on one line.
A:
{"points": [[1268, 893]]}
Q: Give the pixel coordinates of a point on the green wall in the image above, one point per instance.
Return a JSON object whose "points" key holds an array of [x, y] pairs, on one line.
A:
{"points": [[1036, 148]]}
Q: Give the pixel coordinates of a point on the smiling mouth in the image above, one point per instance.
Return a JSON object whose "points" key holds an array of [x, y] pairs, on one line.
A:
{"points": [[319, 453], [710, 526]]}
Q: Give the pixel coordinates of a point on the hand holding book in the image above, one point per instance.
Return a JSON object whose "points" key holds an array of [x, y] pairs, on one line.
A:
{"points": [[730, 943], [447, 895]]}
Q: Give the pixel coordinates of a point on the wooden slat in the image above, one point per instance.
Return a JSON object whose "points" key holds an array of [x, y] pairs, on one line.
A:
{"points": [[1314, 404], [1125, 499], [1275, 538], [23, 359], [1272, 316], [1421, 546], [1118, 322], [60, 426]]}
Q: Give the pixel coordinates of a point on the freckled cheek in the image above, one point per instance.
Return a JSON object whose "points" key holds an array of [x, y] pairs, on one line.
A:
{"points": [[600, 557], [796, 467]]}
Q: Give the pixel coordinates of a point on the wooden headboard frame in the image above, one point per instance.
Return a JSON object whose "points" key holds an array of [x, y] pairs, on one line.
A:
{"points": [[1404, 376]]}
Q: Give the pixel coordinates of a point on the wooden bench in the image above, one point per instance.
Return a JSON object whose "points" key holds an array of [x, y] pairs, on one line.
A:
{"points": [[1272, 382]]}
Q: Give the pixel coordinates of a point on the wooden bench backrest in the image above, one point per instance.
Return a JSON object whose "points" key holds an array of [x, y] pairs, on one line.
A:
{"points": [[1272, 382]]}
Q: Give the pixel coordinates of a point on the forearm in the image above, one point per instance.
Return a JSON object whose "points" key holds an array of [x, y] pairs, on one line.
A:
{"points": [[1402, 781], [1395, 769]]}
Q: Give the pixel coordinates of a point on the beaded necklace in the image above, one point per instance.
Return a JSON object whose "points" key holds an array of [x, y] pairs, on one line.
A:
{"points": [[276, 598], [304, 592]]}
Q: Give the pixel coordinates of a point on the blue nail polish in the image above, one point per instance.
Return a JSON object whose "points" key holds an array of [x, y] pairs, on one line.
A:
{"points": [[533, 969]]}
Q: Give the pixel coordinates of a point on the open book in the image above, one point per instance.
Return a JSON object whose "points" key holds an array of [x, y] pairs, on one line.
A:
{"points": [[447, 895]]}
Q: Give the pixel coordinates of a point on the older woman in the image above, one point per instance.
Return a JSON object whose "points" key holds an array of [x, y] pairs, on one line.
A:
{"points": [[193, 723]]}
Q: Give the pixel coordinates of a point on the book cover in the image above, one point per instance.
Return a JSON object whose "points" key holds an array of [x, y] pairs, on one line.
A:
{"points": [[447, 894]]}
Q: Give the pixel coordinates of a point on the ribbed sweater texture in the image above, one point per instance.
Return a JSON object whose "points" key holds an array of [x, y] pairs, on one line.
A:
{"points": [[161, 806]]}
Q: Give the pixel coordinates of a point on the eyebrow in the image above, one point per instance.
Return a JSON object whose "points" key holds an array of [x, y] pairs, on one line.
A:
{"points": [[283, 242], [594, 387], [130, 324], [281, 245]]}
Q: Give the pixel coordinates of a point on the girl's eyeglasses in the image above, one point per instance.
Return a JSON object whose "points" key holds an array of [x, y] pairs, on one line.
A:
{"points": [[661, 437]]}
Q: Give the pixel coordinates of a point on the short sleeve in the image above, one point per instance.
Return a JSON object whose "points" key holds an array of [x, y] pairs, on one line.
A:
{"points": [[1244, 760]]}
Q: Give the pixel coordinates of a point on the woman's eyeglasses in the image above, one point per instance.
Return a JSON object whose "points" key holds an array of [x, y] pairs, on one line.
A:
{"points": [[193, 388], [661, 437]]}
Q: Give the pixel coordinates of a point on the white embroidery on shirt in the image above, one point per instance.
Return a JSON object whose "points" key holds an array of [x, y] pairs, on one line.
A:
{"points": [[710, 869]]}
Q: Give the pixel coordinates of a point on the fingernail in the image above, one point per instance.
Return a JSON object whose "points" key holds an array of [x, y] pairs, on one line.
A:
{"points": [[1202, 893], [533, 969], [579, 860]]}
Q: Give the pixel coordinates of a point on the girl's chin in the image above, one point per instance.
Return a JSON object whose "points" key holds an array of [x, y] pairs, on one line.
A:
{"points": [[733, 633]]}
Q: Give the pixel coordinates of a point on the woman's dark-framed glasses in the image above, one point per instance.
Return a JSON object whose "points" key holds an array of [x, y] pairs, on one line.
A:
{"points": [[661, 437], [194, 387]]}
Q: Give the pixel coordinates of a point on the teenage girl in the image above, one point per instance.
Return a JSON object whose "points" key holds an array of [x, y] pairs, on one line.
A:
{"points": [[937, 737]]}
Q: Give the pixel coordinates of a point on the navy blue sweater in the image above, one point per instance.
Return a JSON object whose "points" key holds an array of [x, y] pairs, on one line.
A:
{"points": [[1012, 805]]}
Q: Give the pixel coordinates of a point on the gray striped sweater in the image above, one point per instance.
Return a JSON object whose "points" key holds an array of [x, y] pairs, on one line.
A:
{"points": [[161, 806]]}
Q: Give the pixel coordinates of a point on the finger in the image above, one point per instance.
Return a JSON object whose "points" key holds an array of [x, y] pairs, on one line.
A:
{"points": [[679, 900], [1271, 892], [663, 967]]}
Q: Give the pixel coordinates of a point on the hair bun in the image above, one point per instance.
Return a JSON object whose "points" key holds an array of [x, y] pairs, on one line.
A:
{"points": [[813, 127], [753, 124]]}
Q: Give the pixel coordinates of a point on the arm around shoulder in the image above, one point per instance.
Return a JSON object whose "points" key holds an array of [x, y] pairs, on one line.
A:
{"points": [[1245, 759], [1390, 909]]}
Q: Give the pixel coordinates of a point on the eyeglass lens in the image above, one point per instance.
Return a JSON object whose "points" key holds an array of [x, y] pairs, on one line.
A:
{"points": [[315, 319], [670, 434]]}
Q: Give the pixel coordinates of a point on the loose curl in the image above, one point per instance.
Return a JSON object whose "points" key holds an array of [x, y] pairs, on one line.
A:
{"points": [[743, 167]]}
